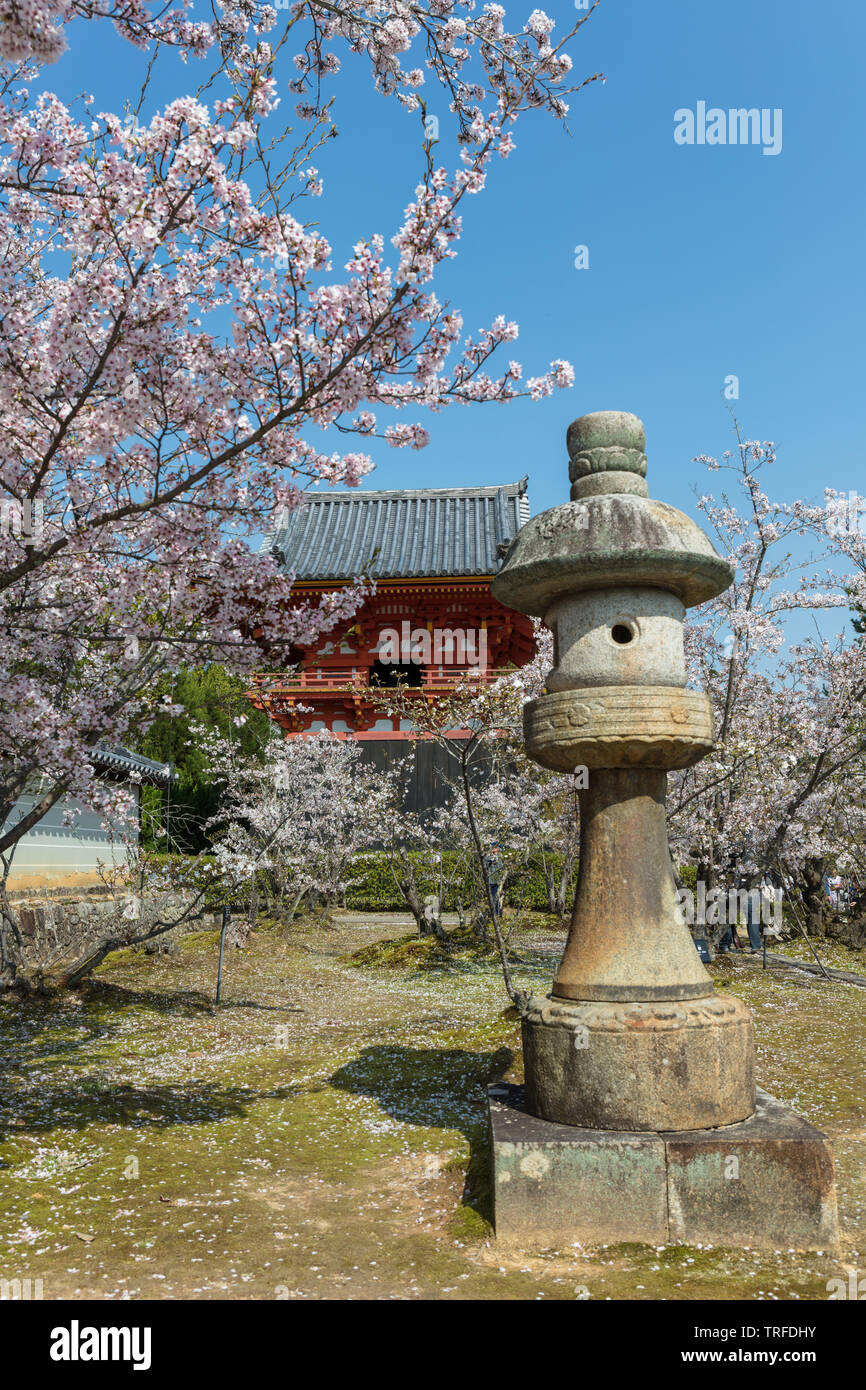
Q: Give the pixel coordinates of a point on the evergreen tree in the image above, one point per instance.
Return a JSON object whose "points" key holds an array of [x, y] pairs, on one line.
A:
{"points": [[173, 817]]}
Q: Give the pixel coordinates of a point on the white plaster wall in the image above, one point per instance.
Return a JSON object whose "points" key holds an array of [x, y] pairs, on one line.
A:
{"points": [[52, 853]]}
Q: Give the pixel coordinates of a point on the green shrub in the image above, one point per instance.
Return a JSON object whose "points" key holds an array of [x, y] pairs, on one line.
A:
{"points": [[371, 886], [195, 871]]}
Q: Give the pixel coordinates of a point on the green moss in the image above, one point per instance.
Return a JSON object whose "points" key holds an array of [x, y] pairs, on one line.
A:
{"points": [[407, 952], [473, 1218], [669, 1256], [324, 1130], [415, 952]]}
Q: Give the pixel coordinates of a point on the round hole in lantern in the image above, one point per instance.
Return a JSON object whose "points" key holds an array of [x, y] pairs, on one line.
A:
{"points": [[623, 633]]}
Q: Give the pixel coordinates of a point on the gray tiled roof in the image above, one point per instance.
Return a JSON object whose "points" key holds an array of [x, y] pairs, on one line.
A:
{"points": [[116, 759], [416, 532]]}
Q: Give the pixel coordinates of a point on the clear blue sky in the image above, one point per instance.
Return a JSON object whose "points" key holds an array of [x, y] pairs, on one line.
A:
{"points": [[703, 260]]}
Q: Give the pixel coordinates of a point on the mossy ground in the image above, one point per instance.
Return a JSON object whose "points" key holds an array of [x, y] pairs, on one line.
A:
{"points": [[833, 954], [322, 1134], [462, 947]]}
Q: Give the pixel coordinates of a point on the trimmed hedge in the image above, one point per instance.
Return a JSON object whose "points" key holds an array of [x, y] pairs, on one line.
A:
{"points": [[371, 886]]}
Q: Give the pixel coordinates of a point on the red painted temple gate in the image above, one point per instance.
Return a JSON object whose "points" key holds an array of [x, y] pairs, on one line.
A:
{"points": [[432, 553]]}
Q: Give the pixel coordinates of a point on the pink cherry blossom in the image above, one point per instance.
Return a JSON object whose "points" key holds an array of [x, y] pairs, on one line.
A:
{"points": [[177, 341]]}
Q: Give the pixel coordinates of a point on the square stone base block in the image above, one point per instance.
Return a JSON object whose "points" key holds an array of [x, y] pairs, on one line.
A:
{"points": [[766, 1182]]}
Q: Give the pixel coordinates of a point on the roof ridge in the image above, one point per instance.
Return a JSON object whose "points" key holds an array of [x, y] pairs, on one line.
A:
{"points": [[483, 489]]}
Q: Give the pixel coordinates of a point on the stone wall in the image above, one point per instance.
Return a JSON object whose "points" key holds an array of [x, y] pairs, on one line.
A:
{"points": [[56, 930]]}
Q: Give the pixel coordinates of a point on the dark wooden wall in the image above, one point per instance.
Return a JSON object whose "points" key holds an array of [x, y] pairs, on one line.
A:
{"points": [[430, 765]]}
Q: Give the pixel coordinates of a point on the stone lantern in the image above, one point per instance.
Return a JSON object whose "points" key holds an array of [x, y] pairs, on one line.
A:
{"points": [[633, 1039]]}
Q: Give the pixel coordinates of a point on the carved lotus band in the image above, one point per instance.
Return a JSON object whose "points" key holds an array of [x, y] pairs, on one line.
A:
{"points": [[604, 442], [619, 726], [604, 459], [637, 1016]]}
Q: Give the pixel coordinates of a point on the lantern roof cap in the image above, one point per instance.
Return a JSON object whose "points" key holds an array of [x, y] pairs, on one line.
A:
{"points": [[612, 534]]}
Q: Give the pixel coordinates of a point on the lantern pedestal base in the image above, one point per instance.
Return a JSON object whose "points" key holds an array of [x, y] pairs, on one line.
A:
{"points": [[767, 1182], [670, 1064]]}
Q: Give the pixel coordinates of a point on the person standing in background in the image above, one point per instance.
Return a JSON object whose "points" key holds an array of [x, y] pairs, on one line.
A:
{"points": [[494, 869]]}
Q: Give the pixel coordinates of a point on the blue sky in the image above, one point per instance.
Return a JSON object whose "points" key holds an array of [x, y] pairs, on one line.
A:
{"points": [[704, 261]]}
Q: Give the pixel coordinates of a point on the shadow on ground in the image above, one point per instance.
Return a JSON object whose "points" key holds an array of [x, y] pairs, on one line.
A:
{"points": [[46, 1036], [135, 1107], [436, 1088], [54, 1029]]}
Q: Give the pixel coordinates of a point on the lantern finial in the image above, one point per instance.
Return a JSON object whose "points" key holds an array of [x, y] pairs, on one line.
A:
{"points": [[606, 453]]}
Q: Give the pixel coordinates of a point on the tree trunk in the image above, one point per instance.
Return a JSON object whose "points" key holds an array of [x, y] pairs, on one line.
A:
{"points": [[813, 895], [295, 904], [564, 884], [552, 892], [408, 885]]}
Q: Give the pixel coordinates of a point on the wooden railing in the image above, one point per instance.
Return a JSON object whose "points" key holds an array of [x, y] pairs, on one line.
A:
{"points": [[358, 678]]}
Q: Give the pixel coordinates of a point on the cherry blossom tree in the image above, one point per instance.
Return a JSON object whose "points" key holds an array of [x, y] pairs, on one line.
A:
{"points": [[775, 795], [531, 814], [297, 817], [176, 341], [418, 843], [479, 725]]}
